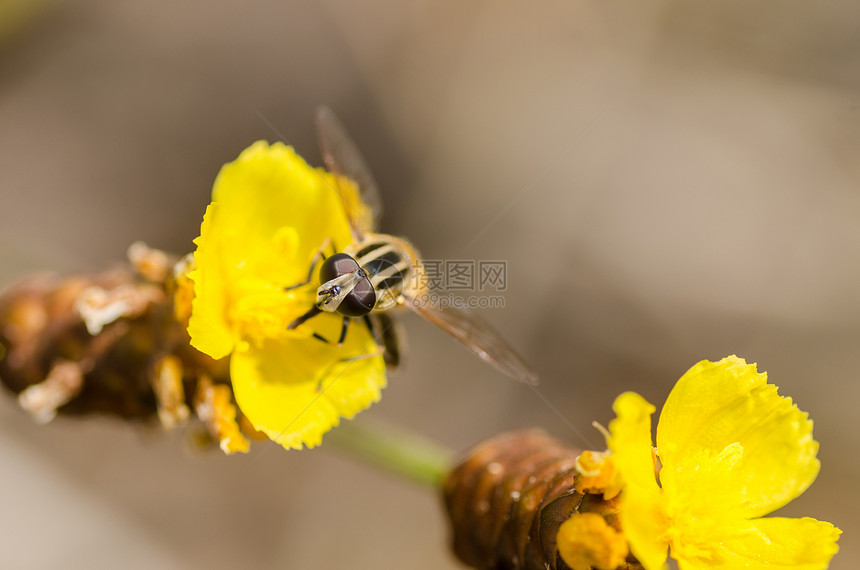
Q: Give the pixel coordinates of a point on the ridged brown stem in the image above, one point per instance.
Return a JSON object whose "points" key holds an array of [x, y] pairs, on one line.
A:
{"points": [[507, 501]]}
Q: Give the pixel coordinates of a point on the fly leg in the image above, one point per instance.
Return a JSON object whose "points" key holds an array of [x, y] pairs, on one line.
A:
{"points": [[313, 311], [318, 256], [343, 328], [388, 335], [374, 329], [378, 351], [311, 314]]}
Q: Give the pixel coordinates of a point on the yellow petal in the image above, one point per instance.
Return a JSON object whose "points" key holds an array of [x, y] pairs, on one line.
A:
{"points": [[270, 214], [730, 445], [765, 544], [294, 390], [264, 190], [208, 326], [642, 517]]}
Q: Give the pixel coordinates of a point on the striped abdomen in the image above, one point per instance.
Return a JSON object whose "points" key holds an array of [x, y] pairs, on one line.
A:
{"points": [[388, 266]]}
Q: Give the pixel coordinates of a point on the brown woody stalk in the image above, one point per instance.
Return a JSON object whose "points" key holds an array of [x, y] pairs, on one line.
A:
{"points": [[507, 501], [111, 343]]}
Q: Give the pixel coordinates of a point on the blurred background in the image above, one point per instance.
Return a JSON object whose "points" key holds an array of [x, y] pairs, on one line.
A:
{"points": [[667, 181]]}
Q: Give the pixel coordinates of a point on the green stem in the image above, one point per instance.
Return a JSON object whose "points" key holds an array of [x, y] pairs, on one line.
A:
{"points": [[394, 450]]}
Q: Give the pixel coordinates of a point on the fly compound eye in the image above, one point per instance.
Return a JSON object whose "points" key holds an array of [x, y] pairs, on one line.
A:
{"points": [[360, 301], [337, 265]]}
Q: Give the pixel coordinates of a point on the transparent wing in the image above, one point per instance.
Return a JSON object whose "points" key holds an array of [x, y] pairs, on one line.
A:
{"points": [[342, 156], [479, 337]]}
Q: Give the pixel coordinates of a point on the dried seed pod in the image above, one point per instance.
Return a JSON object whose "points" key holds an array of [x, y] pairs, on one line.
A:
{"points": [[110, 343], [507, 501]]}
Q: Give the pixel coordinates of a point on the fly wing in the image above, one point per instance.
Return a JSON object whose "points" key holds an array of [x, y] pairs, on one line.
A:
{"points": [[342, 156], [479, 337]]}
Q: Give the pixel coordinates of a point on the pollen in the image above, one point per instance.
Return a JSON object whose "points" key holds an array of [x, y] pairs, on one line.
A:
{"points": [[214, 406], [597, 474], [183, 294], [587, 541], [169, 392]]}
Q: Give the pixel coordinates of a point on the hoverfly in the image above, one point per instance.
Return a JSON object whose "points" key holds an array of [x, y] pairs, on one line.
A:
{"points": [[378, 272]]}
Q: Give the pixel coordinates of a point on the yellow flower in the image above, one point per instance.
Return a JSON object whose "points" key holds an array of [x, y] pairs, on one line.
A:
{"points": [[270, 214], [732, 450]]}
